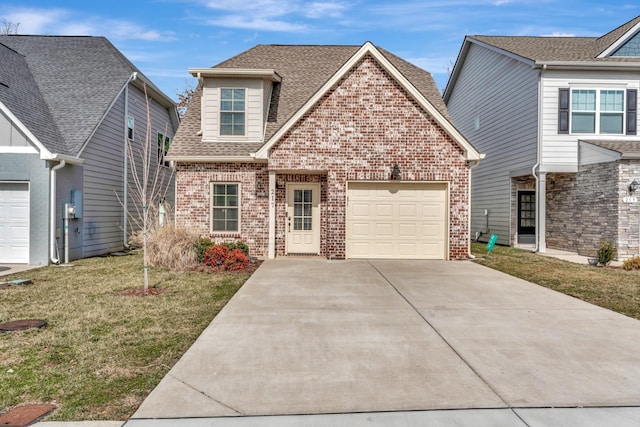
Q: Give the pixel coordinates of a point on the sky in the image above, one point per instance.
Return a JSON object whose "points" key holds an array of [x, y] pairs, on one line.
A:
{"points": [[164, 38]]}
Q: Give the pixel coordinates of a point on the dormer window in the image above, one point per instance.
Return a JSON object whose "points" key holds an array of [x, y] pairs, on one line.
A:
{"points": [[232, 112]]}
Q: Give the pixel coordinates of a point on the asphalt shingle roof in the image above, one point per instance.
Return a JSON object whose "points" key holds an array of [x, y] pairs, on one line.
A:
{"points": [[19, 92], [624, 147], [304, 69], [78, 78], [561, 48]]}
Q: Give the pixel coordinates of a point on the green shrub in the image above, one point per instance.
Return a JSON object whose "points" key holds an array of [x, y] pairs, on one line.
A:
{"points": [[237, 245], [631, 263], [606, 253], [202, 245]]}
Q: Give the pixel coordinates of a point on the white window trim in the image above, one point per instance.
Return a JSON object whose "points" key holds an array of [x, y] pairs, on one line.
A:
{"points": [[163, 162], [211, 206], [597, 111], [246, 115]]}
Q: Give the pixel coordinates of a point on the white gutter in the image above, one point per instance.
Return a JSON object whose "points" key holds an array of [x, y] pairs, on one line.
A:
{"points": [[52, 212]]}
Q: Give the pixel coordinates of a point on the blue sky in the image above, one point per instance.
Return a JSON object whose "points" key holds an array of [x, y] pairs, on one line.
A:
{"points": [[166, 37]]}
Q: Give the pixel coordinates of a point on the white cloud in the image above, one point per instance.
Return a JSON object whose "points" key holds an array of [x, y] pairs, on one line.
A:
{"points": [[558, 35], [234, 21], [325, 9], [58, 21]]}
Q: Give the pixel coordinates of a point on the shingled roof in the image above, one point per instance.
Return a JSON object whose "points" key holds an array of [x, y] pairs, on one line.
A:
{"points": [[77, 77], [19, 93], [543, 49], [304, 70]]}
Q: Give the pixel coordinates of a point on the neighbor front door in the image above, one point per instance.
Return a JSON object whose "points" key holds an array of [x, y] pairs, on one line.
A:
{"points": [[526, 216], [303, 219]]}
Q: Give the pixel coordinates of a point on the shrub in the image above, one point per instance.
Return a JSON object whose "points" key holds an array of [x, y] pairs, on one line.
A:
{"points": [[606, 253], [171, 247], [201, 246], [238, 245], [215, 255], [236, 260], [631, 263]]}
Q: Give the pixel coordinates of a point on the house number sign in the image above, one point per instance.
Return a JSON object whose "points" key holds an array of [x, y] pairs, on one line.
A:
{"points": [[630, 199]]}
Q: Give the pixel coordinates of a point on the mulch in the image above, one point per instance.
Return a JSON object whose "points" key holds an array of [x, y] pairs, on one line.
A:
{"points": [[24, 415]]}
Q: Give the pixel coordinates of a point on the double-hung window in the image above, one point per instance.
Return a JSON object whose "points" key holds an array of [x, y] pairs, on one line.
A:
{"points": [[225, 207], [597, 111], [232, 112]]}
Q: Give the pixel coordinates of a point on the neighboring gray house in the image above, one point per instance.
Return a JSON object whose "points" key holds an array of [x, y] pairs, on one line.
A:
{"points": [[557, 119], [66, 105]]}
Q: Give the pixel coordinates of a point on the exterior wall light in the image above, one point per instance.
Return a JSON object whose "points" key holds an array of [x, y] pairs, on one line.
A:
{"points": [[633, 186], [396, 175]]}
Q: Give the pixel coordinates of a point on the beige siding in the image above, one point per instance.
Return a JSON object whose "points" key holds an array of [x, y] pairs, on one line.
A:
{"points": [[560, 151], [254, 105], [494, 104]]}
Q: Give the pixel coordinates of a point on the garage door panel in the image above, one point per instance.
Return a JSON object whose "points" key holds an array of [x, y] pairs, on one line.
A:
{"points": [[14, 216], [403, 220]]}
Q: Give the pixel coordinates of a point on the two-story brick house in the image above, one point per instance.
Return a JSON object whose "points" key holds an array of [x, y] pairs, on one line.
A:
{"points": [[337, 151], [557, 119]]}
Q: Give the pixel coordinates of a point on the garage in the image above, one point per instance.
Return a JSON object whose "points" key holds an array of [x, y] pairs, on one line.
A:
{"points": [[14, 223], [397, 220]]}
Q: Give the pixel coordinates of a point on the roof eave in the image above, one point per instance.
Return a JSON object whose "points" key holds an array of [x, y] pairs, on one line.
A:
{"points": [[214, 159], [591, 65], [236, 73]]}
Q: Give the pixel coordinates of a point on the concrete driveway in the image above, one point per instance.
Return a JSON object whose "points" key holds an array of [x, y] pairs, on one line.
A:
{"points": [[312, 336]]}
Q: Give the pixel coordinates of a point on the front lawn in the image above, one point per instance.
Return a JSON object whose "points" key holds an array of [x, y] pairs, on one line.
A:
{"points": [[104, 349], [607, 287]]}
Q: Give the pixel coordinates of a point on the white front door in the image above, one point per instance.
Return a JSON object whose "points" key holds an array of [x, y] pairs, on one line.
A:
{"points": [[303, 219], [14, 222]]}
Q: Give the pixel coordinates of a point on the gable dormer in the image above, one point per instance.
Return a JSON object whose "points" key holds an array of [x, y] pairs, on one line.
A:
{"points": [[235, 103]]}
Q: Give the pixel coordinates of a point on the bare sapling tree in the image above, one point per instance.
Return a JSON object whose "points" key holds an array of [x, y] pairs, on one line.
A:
{"points": [[148, 183], [8, 27]]}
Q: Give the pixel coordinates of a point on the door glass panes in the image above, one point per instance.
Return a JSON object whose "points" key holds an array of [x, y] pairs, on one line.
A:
{"points": [[302, 210], [527, 210]]}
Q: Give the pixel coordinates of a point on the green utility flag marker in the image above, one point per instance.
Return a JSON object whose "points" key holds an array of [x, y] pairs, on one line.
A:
{"points": [[491, 244]]}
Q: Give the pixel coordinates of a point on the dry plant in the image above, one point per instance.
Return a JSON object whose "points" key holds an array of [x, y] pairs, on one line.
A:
{"points": [[172, 247]]}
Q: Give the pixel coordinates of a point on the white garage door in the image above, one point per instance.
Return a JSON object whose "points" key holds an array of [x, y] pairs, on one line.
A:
{"points": [[14, 223], [397, 220]]}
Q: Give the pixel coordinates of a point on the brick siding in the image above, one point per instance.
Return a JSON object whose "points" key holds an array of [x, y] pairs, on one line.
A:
{"points": [[361, 128]]}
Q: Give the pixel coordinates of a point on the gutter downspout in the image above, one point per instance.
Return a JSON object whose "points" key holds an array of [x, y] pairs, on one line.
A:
{"points": [[125, 180], [539, 156], [472, 165], [52, 212]]}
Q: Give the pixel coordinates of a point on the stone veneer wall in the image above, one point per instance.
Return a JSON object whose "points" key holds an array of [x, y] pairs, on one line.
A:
{"points": [[563, 212], [628, 227], [597, 206], [358, 131]]}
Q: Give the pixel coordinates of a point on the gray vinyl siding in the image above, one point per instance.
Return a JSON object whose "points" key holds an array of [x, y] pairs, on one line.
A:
{"points": [[30, 168], [500, 94], [103, 213]]}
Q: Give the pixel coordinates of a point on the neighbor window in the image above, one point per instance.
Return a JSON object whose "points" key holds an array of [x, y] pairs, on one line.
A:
{"points": [[232, 112], [597, 111], [130, 123], [163, 146], [225, 207]]}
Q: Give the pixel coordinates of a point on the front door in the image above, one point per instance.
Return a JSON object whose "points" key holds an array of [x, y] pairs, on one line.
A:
{"points": [[526, 216], [303, 219]]}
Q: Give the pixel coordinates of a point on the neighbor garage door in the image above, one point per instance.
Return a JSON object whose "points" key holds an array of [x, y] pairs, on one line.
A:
{"points": [[14, 223], [397, 220]]}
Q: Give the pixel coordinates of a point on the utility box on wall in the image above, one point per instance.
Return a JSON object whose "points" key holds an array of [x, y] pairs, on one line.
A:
{"points": [[76, 200]]}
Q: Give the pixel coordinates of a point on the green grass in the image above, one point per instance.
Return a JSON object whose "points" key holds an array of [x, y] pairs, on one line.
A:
{"points": [[608, 287], [103, 352]]}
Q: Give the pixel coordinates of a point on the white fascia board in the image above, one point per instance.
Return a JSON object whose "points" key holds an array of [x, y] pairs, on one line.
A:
{"points": [[267, 74], [369, 48], [622, 40], [214, 159], [589, 65]]}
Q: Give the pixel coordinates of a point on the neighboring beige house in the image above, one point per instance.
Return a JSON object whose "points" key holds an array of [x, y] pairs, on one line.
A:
{"points": [[67, 106], [338, 151], [557, 118]]}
